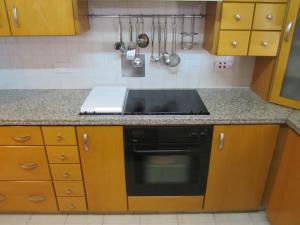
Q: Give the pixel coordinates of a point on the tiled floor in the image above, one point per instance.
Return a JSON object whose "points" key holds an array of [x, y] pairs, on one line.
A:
{"points": [[256, 218]]}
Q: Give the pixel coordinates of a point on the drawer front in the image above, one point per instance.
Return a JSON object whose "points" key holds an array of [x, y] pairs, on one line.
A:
{"points": [[20, 135], [27, 196], [70, 204], [23, 163], [237, 16], [255, 0], [233, 42], [59, 135], [69, 188], [268, 16], [66, 172], [264, 43], [62, 154]]}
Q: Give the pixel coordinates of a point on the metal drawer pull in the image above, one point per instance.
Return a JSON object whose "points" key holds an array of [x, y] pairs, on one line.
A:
{"points": [[37, 198], [21, 138], [69, 191], [269, 17], [62, 157], [59, 137], [234, 44], [264, 44], [66, 174], [85, 142], [29, 166], [237, 17], [15, 15], [72, 206], [221, 144], [2, 198], [288, 31]]}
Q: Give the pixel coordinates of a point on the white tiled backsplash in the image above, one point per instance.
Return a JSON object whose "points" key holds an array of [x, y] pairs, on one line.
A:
{"points": [[38, 62]]}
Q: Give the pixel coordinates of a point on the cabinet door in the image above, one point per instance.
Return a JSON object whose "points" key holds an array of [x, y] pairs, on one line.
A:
{"points": [[41, 17], [239, 165], [286, 82], [4, 25], [283, 207], [102, 160]]}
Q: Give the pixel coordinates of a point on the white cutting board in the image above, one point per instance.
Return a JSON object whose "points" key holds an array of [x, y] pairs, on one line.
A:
{"points": [[105, 100]]}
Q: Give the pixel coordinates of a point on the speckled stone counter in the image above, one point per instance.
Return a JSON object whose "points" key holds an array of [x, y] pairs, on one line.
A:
{"points": [[61, 107], [294, 121]]}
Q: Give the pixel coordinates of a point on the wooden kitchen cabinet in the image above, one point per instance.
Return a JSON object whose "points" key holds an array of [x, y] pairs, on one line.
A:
{"points": [[47, 17], [283, 206], [239, 165], [4, 24], [102, 159]]}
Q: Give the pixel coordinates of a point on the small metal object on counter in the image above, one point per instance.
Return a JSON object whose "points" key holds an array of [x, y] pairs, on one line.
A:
{"points": [[137, 62], [152, 59], [143, 39], [120, 46], [165, 54], [188, 44], [174, 58], [157, 58]]}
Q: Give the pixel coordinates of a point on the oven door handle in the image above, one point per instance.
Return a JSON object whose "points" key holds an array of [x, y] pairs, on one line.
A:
{"points": [[158, 151]]}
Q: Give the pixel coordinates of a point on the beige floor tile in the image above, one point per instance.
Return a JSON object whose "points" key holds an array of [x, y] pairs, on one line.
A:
{"points": [[195, 217], [84, 219], [13, 219], [234, 223], [231, 217], [121, 219], [258, 216], [159, 218], [261, 223], [47, 219]]}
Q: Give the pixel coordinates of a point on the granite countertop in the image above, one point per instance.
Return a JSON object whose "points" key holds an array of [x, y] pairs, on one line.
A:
{"points": [[61, 107]]}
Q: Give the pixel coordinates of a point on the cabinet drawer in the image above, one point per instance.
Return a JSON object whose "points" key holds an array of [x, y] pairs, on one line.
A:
{"points": [[268, 16], [67, 204], [237, 16], [233, 42], [59, 135], [66, 172], [69, 188], [62, 154], [27, 196], [23, 163], [21, 135], [264, 43]]}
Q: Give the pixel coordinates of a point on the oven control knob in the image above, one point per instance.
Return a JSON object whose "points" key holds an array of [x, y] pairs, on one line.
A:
{"points": [[193, 135], [135, 140]]}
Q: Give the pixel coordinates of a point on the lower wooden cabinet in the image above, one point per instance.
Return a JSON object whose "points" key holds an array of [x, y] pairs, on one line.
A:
{"points": [[4, 24], [102, 160], [284, 207], [240, 160], [27, 196]]}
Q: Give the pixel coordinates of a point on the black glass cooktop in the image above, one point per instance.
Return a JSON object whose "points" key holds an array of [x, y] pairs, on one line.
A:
{"points": [[164, 102]]}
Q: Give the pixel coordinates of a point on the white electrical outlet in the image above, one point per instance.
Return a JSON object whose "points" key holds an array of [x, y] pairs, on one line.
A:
{"points": [[63, 67], [223, 64]]}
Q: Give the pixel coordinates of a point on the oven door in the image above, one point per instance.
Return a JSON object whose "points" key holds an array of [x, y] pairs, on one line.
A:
{"points": [[161, 170]]}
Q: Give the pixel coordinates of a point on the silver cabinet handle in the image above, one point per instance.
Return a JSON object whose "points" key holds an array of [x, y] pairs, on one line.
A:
{"points": [[29, 166], [72, 206], [66, 174], [62, 157], [288, 31], [37, 198], [269, 17], [264, 44], [2, 198], [234, 44], [59, 137], [221, 144], [15, 15], [21, 138], [237, 17], [69, 191], [85, 142]]}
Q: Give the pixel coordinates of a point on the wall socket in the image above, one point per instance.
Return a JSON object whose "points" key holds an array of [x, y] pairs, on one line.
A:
{"points": [[223, 64]]}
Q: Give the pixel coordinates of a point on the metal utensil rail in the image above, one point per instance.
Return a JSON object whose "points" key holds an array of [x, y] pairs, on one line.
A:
{"points": [[93, 15]]}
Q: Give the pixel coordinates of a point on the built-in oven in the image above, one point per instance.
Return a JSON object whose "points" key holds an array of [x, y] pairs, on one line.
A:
{"points": [[167, 161]]}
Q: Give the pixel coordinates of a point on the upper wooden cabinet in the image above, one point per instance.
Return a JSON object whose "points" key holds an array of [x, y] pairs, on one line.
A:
{"points": [[239, 165], [102, 159], [47, 17], [4, 24], [283, 207]]}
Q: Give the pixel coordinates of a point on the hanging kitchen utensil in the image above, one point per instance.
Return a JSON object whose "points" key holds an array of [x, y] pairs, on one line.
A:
{"points": [[174, 58], [130, 54], [157, 58], [137, 62], [143, 39], [152, 59], [188, 44], [165, 54], [120, 44]]}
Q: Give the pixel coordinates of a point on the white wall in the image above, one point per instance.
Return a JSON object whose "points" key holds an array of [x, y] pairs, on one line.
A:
{"points": [[30, 62]]}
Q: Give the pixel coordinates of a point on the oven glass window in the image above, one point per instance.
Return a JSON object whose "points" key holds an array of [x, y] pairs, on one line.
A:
{"points": [[166, 169]]}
